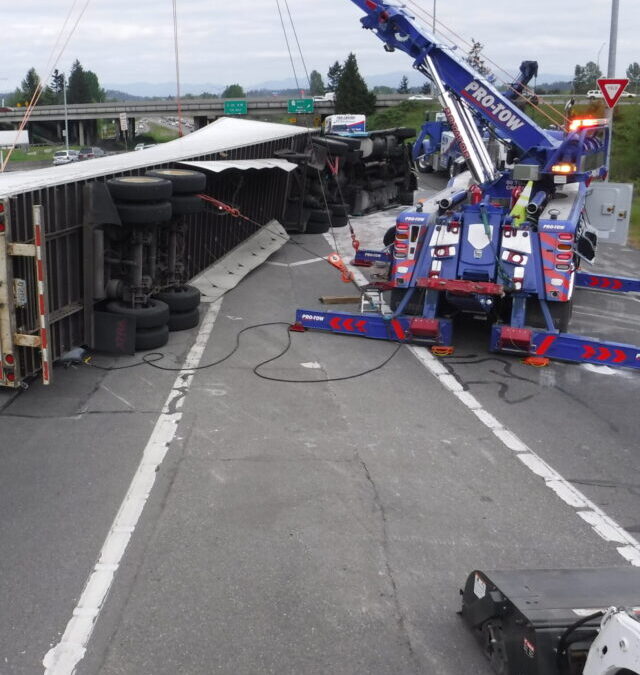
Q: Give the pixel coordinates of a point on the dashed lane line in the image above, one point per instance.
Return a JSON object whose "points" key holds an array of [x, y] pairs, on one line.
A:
{"points": [[603, 525]]}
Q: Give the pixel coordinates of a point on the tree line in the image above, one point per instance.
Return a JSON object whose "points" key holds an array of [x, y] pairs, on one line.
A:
{"points": [[585, 78], [82, 86]]}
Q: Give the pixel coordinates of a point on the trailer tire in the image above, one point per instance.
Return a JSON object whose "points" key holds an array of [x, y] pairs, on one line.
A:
{"points": [[561, 313], [184, 181], [423, 165], [389, 236], [339, 221], [180, 299], [319, 216], [339, 209], [414, 306], [139, 188], [405, 197], [183, 320], [185, 205], [151, 338], [314, 227], [134, 213], [155, 314]]}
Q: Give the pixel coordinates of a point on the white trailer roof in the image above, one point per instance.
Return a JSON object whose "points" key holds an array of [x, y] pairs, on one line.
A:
{"points": [[218, 165], [8, 138], [224, 134]]}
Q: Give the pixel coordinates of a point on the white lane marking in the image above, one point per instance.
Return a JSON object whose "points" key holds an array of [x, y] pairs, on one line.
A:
{"points": [[311, 364], [294, 264], [604, 526], [63, 658]]}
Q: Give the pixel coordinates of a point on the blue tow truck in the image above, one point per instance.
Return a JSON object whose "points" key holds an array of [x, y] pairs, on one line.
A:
{"points": [[507, 243]]}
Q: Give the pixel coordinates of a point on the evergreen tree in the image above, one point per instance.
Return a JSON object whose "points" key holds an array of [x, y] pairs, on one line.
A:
{"points": [[28, 86], [96, 93], [57, 85], [426, 87], [404, 85], [633, 73], [77, 86], [333, 76], [316, 83], [578, 80], [233, 91], [352, 95]]}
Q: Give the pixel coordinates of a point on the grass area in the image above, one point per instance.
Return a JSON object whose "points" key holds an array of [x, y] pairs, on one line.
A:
{"points": [[37, 154], [634, 229], [161, 134]]}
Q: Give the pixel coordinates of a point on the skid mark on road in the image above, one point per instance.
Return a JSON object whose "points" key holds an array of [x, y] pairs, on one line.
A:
{"points": [[63, 658]]}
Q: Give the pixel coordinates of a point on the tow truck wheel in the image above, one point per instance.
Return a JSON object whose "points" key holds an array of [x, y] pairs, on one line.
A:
{"points": [[389, 236], [560, 313], [423, 165]]}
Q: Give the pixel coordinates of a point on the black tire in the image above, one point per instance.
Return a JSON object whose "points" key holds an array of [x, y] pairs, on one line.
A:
{"points": [[184, 181], [339, 221], [389, 236], [561, 313], [319, 216], [339, 209], [405, 197], [317, 228], [180, 298], [151, 338], [156, 313], [414, 307], [183, 320], [185, 205], [132, 213], [423, 165], [404, 133], [139, 188]]}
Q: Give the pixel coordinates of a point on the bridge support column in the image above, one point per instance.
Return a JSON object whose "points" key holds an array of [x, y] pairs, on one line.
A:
{"points": [[81, 139], [132, 127], [200, 121]]}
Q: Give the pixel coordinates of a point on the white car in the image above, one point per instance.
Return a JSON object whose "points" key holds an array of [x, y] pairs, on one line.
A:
{"points": [[420, 97], [65, 157], [596, 93]]}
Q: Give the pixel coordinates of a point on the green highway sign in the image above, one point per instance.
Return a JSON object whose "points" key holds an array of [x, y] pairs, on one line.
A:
{"points": [[300, 105], [235, 107]]}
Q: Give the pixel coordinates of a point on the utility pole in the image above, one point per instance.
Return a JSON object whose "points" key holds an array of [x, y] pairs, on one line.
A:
{"points": [[434, 17], [66, 115], [611, 69]]}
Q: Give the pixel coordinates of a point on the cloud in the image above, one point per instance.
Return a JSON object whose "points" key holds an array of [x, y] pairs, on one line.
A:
{"points": [[242, 41]]}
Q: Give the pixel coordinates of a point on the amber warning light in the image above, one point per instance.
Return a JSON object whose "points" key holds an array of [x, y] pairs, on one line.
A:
{"points": [[576, 125]]}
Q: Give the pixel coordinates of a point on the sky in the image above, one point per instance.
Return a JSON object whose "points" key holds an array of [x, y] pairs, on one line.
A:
{"points": [[241, 41]]}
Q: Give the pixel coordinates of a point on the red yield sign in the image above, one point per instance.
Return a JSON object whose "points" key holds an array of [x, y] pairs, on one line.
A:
{"points": [[612, 89]]}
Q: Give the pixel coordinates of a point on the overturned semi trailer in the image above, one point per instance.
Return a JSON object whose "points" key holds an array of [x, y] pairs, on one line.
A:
{"points": [[67, 250]]}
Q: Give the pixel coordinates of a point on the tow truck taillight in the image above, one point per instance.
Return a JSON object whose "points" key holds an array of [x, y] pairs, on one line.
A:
{"points": [[9, 360], [565, 236], [589, 123], [401, 250], [564, 168]]}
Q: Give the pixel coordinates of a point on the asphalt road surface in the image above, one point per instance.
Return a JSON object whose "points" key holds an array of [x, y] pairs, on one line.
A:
{"points": [[317, 527]]}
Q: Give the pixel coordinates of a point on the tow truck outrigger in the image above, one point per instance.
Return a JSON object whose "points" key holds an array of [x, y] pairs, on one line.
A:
{"points": [[507, 244]]}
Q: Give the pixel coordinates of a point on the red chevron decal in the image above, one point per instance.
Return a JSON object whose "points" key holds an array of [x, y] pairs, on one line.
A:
{"points": [[545, 344], [617, 284], [604, 354], [348, 324], [589, 351], [361, 326], [335, 323], [620, 356], [594, 281]]}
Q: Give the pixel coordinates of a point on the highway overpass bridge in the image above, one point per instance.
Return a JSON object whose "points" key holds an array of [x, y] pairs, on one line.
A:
{"points": [[83, 117]]}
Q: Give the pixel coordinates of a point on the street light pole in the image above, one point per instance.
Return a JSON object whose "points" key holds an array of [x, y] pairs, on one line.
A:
{"points": [[611, 70], [434, 17], [66, 115]]}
